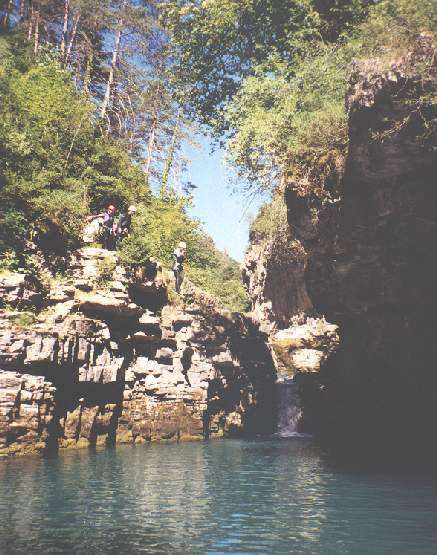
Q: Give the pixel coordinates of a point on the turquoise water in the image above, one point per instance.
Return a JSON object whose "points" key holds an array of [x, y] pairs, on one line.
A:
{"points": [[278, 496]]}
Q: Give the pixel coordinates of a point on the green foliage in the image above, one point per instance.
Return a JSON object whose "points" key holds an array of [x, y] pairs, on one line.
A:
{"points": [[158, 228], [338, 17], [112, 178], [392, 27], [9, 261], [54, 165], [289, 121], [277, 118], [230, 291], [221, 42], [24, 319], [270, 221], [217, 273], [106, 268]]}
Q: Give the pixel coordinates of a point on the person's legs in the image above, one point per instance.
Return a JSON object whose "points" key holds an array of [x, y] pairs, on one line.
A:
{"points": [[110, 241], [117, 240], [178, 281], [105, 237]]}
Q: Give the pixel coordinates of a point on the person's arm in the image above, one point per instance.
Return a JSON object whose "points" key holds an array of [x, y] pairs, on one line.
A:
{"points": [[94, 217], [175, 260]]}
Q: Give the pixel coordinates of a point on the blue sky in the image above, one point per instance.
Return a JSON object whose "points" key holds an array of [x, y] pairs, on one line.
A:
{"points": [[226, 215]]}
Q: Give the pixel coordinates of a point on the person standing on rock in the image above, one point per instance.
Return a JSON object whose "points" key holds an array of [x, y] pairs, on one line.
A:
{"points": [[108, 227], [124, 224], [178, 264]]}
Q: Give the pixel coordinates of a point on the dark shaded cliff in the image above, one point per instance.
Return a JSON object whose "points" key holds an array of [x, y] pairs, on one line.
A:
{"points": [[370, 264]]}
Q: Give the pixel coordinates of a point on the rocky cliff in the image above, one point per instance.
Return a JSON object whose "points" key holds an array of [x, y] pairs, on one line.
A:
{"points": [[103, 356], [368, 263]]}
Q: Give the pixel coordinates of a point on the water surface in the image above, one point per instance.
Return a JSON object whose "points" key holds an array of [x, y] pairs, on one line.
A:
{"points": [[277, 496]]}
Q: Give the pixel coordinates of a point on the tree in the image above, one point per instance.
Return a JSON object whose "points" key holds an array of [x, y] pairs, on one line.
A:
{"points": [[220, 42], [54, 167]]}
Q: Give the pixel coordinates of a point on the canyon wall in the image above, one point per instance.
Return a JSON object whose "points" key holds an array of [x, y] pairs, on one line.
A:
{"points": [[368, 265], [107, 358]]}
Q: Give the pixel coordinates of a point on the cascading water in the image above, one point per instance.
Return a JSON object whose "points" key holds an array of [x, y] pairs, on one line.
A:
{"points": [[289, 408]]}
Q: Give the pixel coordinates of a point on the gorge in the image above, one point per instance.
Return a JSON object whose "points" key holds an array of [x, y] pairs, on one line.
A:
{"points": [[118, 362], [342, 309], [137, 420], [284, 398]]}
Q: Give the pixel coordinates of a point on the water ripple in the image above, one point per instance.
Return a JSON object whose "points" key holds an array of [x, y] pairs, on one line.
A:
{"points": [[275, 496]]}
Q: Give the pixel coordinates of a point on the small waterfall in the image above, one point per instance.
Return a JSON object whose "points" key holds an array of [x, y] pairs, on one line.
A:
{"points": [[289, 408]]}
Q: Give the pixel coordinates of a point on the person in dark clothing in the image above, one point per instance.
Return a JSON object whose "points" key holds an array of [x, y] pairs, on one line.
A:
{"points": [[186, 359], [108, 227], [124, 224], [178, 264]]}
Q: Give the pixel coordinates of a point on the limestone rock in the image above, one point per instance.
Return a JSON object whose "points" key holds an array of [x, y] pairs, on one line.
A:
{"points": [[125, 365], [26, 413]]}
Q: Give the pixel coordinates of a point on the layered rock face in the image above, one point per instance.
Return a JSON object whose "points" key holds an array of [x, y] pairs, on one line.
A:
{"points": [[109, 359], [370, 265]]}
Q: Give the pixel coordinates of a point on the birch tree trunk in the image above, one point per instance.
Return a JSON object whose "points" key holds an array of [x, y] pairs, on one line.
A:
{"points": [[170, 157], [30, 28], [36, 32], [72, 39], [150, 147], [110, 81], [65, 27]]}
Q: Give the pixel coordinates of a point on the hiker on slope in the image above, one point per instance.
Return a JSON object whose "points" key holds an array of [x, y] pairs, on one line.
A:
{"points": [[178, 264], [108, 227], [125, 223]]}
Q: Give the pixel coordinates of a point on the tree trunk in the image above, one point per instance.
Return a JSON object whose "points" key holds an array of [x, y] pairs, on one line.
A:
{"points": [[110, 81], [30, 28], [72, 39], [6, 15], [87, 74], [21, 10], [36, 32], [170, 157], [65, 27], [150, 147]]}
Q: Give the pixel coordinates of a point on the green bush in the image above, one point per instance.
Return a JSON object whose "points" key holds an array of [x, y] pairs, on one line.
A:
{"points": [[270, 221], [157, 229], [230, 291], [159, 226]]}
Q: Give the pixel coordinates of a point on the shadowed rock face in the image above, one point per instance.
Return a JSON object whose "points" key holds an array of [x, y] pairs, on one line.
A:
{"points": [[274, 276], [385, 269], [110, 361], [371, 265]]}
